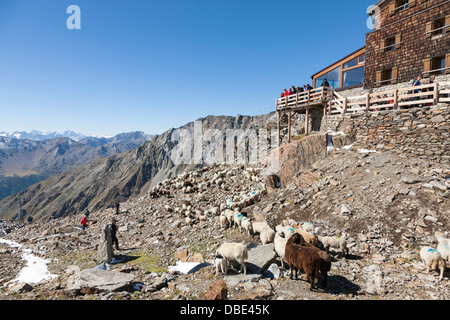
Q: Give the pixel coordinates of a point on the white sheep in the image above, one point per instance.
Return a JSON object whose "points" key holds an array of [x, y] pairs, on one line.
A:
{"points": [[308, 226], [235, 252], [334, 242], [238, 219], [259, 226], [221, 265], [230, 216], [443, 248], [247, 225], [432, 260], [267, 235], [280, 245], [223, 220]]}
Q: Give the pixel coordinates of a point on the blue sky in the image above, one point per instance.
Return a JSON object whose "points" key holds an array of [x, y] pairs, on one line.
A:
{"points": [[152, 65]]}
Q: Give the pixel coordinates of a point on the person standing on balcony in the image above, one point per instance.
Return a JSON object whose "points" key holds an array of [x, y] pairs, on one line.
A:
{"points": [[294, 90], [325, 83]]}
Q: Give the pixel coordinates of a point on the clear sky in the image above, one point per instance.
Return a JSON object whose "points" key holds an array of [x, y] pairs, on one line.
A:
{"points": [[144, 65]]}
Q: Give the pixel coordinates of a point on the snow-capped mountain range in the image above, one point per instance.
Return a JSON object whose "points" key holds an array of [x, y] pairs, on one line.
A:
{"points": [[37, 135]]}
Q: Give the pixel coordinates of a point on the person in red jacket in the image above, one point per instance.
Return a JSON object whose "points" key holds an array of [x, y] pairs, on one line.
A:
{"points": [[84, 223]]}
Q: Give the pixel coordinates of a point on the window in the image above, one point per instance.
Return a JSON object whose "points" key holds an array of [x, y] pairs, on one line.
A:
{"points": [[391, 43], [362, 59], [402, 5], [350, 63], [438, 64], [437, 27], [333, 77], [353, 77], [386, 76]]}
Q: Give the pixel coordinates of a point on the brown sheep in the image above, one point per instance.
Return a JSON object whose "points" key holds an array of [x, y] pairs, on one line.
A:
{"points": [[302, 257], [325, 263]]}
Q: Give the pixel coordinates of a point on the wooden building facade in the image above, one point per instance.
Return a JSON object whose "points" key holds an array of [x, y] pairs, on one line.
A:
{"points": [[411, 38]]}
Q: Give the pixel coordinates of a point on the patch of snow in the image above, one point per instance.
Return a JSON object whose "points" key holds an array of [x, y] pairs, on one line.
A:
{"points": [[36, 269], [367, 151]]}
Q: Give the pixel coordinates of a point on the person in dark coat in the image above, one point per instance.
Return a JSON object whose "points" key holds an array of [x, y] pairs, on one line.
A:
{"points": [[325, 83], [114, 234], [117, 207]]}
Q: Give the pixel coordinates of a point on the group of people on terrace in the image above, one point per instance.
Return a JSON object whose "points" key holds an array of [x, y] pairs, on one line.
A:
{"points": [[305, 88]]}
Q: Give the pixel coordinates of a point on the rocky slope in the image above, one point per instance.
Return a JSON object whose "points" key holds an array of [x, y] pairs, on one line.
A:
{"points": [[387, 207], [100, 183]]}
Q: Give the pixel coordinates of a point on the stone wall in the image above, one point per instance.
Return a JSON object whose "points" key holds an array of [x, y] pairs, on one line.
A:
{"points": [[415, 46], [422, 132]]}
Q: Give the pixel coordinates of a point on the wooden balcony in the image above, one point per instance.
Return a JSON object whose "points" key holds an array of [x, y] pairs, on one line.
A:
{"points": [[300, 102], [332, 103]]}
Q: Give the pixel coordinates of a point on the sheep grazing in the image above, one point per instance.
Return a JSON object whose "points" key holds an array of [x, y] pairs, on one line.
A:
{"points": [[238, 219], [433, 260], [267, 235], [334, 242], [230, 216], [280, 245], [302, 257], [259, 226], [443, 248], [223, 220], [307, 226], [234, 252], [309, 237], [221, 265], [247, 225], [325, 263]]}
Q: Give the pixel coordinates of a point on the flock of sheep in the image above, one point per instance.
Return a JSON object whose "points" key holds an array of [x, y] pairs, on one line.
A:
{"points": [[296, 244], [299, 247]]}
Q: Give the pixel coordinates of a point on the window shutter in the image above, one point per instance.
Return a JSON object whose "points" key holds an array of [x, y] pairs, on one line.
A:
{"points": [[447, 62], [382, 46], [392, 8], [378, 79], [426, 68], [428, 29], [398, 40], [394, 75], [447, 23]]}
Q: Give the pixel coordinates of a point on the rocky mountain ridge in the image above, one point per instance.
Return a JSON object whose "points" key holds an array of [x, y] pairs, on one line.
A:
{"points": [[102, 182]]}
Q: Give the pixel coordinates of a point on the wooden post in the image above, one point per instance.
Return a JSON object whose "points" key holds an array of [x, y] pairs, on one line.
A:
{"points": [[367, 102], [436, 93], [307, 121], [396, 99], [279, 128], [289, 127]]}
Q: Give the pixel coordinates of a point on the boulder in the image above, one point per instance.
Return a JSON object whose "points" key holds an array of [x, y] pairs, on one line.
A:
{"points": [[103, 280], [217, 291], [260, 258]]}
